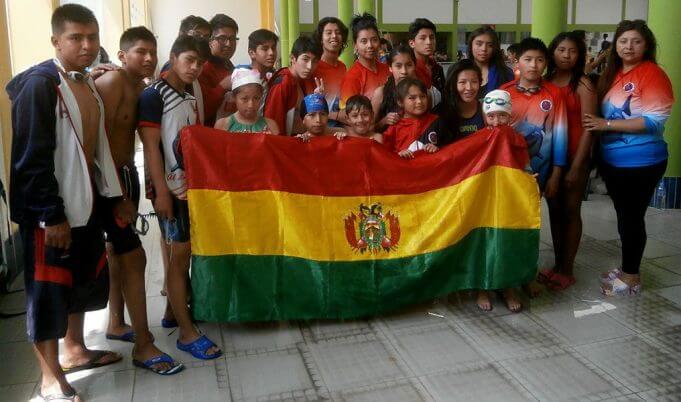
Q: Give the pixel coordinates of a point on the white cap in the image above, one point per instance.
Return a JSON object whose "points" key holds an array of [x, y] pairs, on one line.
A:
{"points": [[497, 101], [245, 76]]}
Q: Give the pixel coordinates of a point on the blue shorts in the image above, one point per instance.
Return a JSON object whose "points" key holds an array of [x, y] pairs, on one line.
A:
{"points": [[177, 228]]}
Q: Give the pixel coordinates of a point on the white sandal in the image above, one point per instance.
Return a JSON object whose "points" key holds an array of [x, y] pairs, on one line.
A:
{"points": [[58, 397], [618, 287], [608, 277]]}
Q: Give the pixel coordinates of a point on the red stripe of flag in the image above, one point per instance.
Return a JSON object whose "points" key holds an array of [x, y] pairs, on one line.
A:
{"points": [[326, 166]]}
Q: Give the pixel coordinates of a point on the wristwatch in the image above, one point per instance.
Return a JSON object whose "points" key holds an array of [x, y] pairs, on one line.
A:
{"points": [[607, 123]]}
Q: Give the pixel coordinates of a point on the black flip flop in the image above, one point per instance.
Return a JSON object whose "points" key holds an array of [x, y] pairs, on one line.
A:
{"points": [[94, 362]]}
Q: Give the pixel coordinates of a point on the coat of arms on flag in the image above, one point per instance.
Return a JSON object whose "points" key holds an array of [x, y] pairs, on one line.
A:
{"points": [[367, 231]]}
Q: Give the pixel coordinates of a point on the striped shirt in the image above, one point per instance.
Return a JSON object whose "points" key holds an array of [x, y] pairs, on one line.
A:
{"points": [[161, 106]]}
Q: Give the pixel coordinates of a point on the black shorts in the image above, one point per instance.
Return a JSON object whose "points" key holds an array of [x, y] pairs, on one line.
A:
{"points": [[123, 239], [60, 282]]}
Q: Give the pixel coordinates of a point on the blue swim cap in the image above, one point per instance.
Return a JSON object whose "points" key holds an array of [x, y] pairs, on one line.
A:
{"points": [[313, 103]]}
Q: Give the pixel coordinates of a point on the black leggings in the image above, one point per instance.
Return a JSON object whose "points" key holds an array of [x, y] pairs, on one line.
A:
{"points": [[631, 190]]}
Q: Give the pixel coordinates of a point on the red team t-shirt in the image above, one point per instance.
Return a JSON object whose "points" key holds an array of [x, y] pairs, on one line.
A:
{"points": [[333, 80], [359, 80], [282, 99], [213, 72], [415, 133]]}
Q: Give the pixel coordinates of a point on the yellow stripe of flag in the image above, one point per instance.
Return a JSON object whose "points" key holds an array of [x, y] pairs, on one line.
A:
{"points": [[313, 227]]}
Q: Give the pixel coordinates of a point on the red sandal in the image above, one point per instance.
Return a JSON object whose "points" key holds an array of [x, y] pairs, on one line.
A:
{"points": [[560, 282], [545, 275]]}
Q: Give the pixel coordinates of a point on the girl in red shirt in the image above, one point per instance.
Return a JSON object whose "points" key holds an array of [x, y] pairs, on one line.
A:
{"points": [[566, 61], [402, 64], [418, 129], [367, 73]]}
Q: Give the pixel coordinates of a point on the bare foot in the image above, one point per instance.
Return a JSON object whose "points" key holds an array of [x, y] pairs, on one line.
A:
{"points": [[168, 314], [512, 303], [533, 289], [483, 301]]}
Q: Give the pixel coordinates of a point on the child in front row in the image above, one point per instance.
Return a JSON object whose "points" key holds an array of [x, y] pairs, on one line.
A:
{"points": [[402, 64], [360, 118], [315, 114], [247, 91], [418, 129], [497, 109]]}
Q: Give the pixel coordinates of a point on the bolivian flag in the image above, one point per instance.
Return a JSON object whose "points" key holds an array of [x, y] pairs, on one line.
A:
{"points": [[282, 229]]}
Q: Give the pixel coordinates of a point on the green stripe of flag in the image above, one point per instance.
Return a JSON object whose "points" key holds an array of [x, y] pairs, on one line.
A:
{"points": [[263, 288]]}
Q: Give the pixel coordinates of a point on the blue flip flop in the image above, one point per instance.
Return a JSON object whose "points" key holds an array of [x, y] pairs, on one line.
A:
{"points": [[164, 358], [199, 347], [126, 337], [168, 323]]}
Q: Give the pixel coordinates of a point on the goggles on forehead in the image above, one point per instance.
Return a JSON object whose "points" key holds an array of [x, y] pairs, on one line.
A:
{"points": [[498, 101]]}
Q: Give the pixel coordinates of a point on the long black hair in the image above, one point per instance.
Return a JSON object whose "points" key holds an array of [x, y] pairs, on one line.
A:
{"points": [[451, 99], [389, 103], [614, 64], [578, 69], [497, 58]]}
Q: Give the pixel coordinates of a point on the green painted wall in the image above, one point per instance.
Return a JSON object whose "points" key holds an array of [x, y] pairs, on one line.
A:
{"points": [[663, 17]]}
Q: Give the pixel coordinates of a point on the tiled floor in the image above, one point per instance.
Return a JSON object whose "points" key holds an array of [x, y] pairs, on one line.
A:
{"points": [[570, 346]]}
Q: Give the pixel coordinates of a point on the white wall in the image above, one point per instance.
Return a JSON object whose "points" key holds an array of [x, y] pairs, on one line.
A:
{"points": [[29, 43], [167, 14], [306, 10], [487, 11], [328, 8], [599, 11], [637, 10], [405, 11], [526, 12]]}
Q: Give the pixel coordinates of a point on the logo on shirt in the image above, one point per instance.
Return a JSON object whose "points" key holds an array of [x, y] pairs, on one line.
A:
{"points": [[545, 105], [629, 86], [432, 137]]}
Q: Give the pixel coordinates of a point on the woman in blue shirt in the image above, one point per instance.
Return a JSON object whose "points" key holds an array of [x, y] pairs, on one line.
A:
{"points": [[636, 99]]}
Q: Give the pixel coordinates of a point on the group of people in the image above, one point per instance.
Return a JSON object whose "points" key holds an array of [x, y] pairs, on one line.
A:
{"points": [[75, 188]]}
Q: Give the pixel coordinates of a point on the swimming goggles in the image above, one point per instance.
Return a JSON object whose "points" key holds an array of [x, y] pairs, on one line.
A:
{"points": [[531, 91], [497, 101]]}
